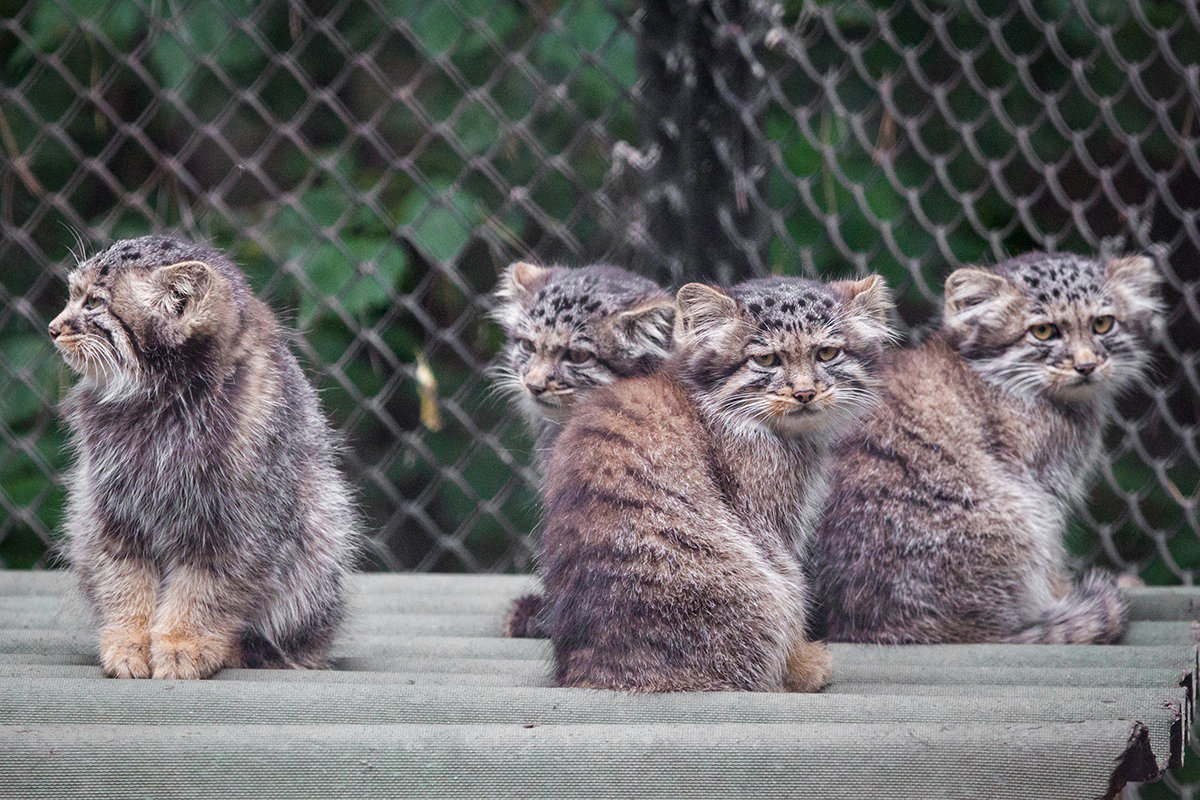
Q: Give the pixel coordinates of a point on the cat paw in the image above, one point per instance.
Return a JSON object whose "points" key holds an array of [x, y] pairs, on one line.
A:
{"points": [[809, 668], [184, 658], [125, 654]]}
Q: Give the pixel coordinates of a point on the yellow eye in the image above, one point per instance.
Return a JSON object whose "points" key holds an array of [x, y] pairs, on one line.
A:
{"points": [[1043, 331], [92, 302], [1103, 324], [578, 356], [767, 360], [828, 353]]}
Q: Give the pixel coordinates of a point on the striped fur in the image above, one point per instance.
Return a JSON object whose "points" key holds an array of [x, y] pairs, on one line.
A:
{"points": [[569, 331], [678, 504], [948, 505], [206, 518]]}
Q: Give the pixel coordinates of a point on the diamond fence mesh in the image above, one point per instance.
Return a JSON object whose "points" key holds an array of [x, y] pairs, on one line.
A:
{"points": [[372, 164]]}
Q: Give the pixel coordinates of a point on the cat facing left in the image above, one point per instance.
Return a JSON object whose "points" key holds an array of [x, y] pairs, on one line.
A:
{"points": [[569, 331], [207, 520]]}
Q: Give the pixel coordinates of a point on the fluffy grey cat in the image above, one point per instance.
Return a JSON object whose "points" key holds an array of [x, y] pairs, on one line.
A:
{"points": [[206, 519], [949, 504], [678, 504], [569, 331]]}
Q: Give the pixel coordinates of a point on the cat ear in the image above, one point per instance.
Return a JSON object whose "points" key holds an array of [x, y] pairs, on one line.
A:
{"points": [[1135, 284], [702, 309], [647, 326], [184, 286], [870, 305], [187, 293], [976, 299], [519, 282]]}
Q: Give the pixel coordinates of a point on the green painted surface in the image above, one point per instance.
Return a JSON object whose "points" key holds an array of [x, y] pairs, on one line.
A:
{"points": [[428, 700]]}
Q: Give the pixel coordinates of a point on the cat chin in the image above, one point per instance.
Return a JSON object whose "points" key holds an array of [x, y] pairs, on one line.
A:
{"points": [[806, 422], [556, 411], [1080, 390]]}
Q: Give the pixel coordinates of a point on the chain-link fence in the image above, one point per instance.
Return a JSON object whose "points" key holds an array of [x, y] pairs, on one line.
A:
{"points": [[373, 163]]}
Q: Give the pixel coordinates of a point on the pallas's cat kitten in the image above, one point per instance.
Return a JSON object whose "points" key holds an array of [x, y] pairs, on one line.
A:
{"points": [[949, 504], [569, 331], [678, 504], [206, 518]]}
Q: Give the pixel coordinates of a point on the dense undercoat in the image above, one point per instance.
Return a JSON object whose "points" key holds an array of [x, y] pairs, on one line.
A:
{"points": [[948, 506], [206, 518], [569, 331]]}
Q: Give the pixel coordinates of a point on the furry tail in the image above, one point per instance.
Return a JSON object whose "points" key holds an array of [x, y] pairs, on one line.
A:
{"points": [[1092, 613], [525, 618]]}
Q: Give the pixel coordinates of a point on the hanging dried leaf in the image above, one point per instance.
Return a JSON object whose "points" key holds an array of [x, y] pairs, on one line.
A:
{"points": [[431, 416]]}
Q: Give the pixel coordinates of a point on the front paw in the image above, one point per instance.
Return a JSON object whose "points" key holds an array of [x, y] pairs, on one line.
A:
{"points": [[187, 658], [125, 654]]}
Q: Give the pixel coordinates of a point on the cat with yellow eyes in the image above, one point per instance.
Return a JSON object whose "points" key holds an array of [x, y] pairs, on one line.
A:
{"points": [[949, 503]]}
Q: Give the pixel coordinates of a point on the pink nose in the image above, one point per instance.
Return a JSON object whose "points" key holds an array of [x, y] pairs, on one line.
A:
{"points": [[55, 330], [804, 395], [1086, 368]]}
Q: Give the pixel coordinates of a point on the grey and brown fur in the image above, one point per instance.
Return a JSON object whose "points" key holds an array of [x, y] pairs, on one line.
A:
{"points": [[949, 504], [206, 518], [678, 504], [570, 331]]}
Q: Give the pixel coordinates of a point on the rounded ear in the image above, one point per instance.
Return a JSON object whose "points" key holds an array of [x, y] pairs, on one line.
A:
{"points": [[969, 287], [1135, 283], [521, 281], [869, 303], [184, 286], [647, 325], [977, 301], [869, 297], [701, 308]]}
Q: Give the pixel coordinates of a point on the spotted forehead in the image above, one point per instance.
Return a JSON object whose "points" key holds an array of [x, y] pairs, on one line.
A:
{"points": [[146, 252], [788, 304], [584, 294], [1052, 280]]}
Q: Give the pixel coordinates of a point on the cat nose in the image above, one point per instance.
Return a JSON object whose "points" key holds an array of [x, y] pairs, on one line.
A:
{"points": [[535, 388], [55, 329], [804, 395], [1085, 367]]}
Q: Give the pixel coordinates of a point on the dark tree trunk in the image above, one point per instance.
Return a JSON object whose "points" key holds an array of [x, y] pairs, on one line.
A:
{"points": [[703, 92]]}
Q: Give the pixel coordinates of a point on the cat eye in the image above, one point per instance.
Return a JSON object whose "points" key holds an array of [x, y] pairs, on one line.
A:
{"points": [[766, 359], [577, 356], [1103, 324], [525, 345], [828, 353], [1043, 330], [92, 302]]}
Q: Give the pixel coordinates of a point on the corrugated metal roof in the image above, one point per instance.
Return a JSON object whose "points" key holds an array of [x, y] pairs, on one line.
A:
{"points": [[429, 700]]}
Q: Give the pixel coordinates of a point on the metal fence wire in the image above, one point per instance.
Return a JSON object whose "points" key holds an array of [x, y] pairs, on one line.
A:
{"points": [[372, 164]]}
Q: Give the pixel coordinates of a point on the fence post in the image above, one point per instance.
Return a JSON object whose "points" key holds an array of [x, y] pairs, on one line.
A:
{"points": [[701, 118]]}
